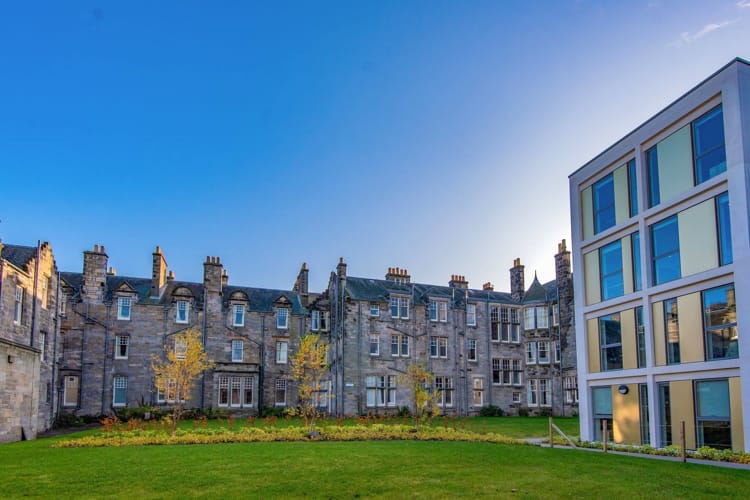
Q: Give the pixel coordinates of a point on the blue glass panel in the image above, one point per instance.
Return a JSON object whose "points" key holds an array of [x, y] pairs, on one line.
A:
{"points": [[610, 266], [602, 399], [708, 143], [713, 398], [653, 177], [604, 204], [665, 248], [725, 229]]}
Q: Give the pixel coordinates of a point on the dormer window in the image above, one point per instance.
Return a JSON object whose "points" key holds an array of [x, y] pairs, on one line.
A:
{"points": [[238, 315], [282, 318], [183, 311], [123, 308]]}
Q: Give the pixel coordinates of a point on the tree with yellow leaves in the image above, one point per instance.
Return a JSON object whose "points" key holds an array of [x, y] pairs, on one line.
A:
{"points": [[419, 379], [309, 364], [175, 377]]}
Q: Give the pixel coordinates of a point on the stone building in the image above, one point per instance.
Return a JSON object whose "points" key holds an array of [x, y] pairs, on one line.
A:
{"points": [[90, 352], [114, 325], [29, 340], [513, 350]]}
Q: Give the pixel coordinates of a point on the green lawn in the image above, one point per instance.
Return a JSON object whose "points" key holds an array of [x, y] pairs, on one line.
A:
{"points": [[391, 469]]}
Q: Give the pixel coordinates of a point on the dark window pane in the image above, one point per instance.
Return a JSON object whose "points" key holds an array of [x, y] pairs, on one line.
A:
{"points": [[633, 188], [610, 264], [636, 243], [665, 243], [708, 137], [653, 177]]}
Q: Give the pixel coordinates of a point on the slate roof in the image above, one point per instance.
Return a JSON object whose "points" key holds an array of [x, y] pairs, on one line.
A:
{"points": [[378, 290], [18, 255], [535, 293], [260, 299]]}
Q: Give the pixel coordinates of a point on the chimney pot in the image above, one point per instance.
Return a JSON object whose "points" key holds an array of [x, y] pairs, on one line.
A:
{"points": [[96, 248]]}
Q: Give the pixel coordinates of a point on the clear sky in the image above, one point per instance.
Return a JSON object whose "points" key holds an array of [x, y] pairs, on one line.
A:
{"points": [[430, 135]]}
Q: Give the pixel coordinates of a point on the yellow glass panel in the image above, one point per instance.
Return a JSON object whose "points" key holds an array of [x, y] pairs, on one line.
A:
{"points": [[629, 345], [660, 349], [681, 399], [735, 403], [626, 415], [691, 328], [627, 264], [591, 277], [675, 157], [622, 195], [592, 331], [587, 212], [698, 248]]}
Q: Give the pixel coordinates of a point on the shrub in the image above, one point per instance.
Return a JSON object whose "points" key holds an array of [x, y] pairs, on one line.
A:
{"points": [[545, 412], [139, 413], [68, 420], [272, 411], [404, 412], [523, 412], [491, 411]]}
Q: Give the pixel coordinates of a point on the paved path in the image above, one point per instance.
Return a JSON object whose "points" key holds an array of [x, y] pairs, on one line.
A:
{"points": [[729, 465]]}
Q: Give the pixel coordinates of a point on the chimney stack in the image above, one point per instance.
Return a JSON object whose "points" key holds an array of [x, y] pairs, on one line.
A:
{"points": [[213, 274], [398, 275], [341, 268], [94, 275], [158, 273], [458, 281], [517, 282], [488, 287]]}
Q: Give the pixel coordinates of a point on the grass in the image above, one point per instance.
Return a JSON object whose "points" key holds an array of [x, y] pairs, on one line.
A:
{"points": [[347, 470]]}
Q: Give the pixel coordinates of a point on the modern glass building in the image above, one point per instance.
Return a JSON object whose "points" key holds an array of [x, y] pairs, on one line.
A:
{"points": [[662, 282]]}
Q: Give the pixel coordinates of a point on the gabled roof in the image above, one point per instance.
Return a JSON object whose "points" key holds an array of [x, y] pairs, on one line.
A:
{"points": [[535, 293], [261, 300], [18, 255]]}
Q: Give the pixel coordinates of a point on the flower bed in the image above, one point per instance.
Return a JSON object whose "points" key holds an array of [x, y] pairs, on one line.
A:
{"points": [[375, 432], [702, 453]]}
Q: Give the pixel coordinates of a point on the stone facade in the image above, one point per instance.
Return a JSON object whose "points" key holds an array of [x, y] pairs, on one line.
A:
{"points": [[109, 328], [29, 340], [513, 350]]}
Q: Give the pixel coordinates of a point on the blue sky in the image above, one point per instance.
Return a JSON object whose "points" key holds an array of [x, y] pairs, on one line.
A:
{"points": [[433, 136]]}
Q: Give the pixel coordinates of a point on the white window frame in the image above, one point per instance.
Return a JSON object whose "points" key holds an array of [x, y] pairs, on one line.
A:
{"points": [[238, 347], [403, 307], [471, 349], [18, 306], [570, 386], [122, 340], [531, 353], [42, 345], [506, 372], [545, 392], [374, 341], [120, 385], [380, 391], [280, 385], [557, 352], [282, 352], [528, 318], [543, 346], [555, 314], [374, 310], [182, 311], [471, 315], [70, 388], [238, 311], [445, 387], [282, 318], [124, 307], [180, 347], [315, 321], [532, 397], [497, 371], [477, 389], [542, 316], [517, 373], [44, 286], [401, 344], [516, 397]]}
